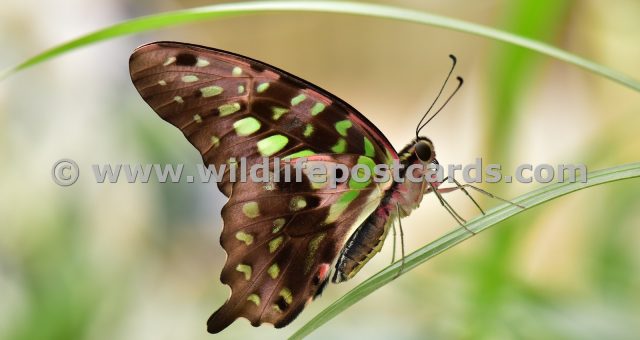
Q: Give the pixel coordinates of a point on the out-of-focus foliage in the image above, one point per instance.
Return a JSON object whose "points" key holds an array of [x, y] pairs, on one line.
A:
{"points": [[141, 261]]}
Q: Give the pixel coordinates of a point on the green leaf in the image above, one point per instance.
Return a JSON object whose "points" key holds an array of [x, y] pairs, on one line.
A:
{"points": [[161, 20], [492, 218]]}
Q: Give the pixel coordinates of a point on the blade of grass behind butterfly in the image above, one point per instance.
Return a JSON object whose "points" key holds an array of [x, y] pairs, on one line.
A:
{"points": [[511, 72]]}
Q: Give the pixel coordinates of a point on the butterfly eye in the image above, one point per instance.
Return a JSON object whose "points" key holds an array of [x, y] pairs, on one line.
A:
{"points": [[424, 151]]}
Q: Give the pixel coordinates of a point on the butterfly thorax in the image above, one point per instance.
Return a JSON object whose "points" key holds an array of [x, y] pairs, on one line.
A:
{"points": [[401, 198]]}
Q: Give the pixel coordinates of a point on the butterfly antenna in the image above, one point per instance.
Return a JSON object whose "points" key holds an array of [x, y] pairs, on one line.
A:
{"points": [[460, 82], [453, 66]]}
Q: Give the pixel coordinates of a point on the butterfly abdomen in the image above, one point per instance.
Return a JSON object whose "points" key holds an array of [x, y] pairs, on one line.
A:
{"points": [[364, 243]]}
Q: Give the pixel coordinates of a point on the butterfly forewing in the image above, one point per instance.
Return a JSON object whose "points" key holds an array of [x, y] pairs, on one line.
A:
{"points": [[232, 106], [281, 238]]}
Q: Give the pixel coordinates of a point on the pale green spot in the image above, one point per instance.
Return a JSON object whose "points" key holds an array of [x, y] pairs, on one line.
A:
{"points": [[341, 205], [272, 144], [286, 295], [303, 153], [202, 62], [273, 271], [276, 308], [190, 78], [297, 203], [245, 269], [236, 71], [278, 112], [262, 87], [298, 99], [211, 91], [197, 119], [275, 243], [369, 150], [162, 83], [342, 127], [215, 141], [244, 237], [308, 130], [178, 99], [240, 89], [340, 146], [246, 126], [169, 61], [317, 108], [254, 298], [251, 210], [313, 249], [228, 109], [278, 223]]}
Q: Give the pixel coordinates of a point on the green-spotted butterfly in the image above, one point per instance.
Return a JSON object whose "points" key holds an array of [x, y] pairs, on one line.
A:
{"points": [[282, 239]]}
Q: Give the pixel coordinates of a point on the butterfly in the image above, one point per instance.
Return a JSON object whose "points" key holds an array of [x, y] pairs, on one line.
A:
{"points": [[284, 240]]}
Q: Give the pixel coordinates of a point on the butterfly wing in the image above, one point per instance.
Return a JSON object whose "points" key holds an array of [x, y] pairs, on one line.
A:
{"points": [[231, 107]]}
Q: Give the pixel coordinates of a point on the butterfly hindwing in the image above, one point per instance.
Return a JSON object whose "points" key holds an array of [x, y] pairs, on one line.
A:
{"points": [[282, 242]]}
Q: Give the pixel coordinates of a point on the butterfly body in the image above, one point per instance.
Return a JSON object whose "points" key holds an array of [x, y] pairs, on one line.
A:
{"points": [[282, 238]]}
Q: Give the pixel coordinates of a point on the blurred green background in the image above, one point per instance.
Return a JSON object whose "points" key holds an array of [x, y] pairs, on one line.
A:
{"points": [[141, 261]]}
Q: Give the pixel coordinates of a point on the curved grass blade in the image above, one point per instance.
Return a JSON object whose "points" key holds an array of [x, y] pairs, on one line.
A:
{"points": [[165, 19], [493, 217]]}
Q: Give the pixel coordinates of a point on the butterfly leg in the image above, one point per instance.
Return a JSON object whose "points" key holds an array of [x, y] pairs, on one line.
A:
{"points": [[461, 187], [461, 221], [393, 255], [482, 191], [401, 243]]}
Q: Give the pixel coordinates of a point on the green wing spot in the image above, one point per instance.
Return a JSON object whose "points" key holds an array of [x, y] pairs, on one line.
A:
{"points": [[251, 210], [341, 205], [244, 237], [169, 61], [240, 89], [274, 271], [278, 223], [286, 295], [228, 109], [190, 78], [317, 108], [369, 150], [299, 154], [308, 130], [340, 147], [369, 163], [297, 203], [245, 269], [197, 118], [215, 141], [313, 249], [202, 62], [278, 112], [342, 127], [236, 71], [262, 87], [254, 298], [272, 144], [162, 83], [298, 99], [275, 243], [178, 99], [246, 126], [211, 91]]}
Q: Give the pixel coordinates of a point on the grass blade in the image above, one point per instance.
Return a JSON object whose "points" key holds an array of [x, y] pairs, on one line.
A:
{"points": [[165, 19], [493, 217]]}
